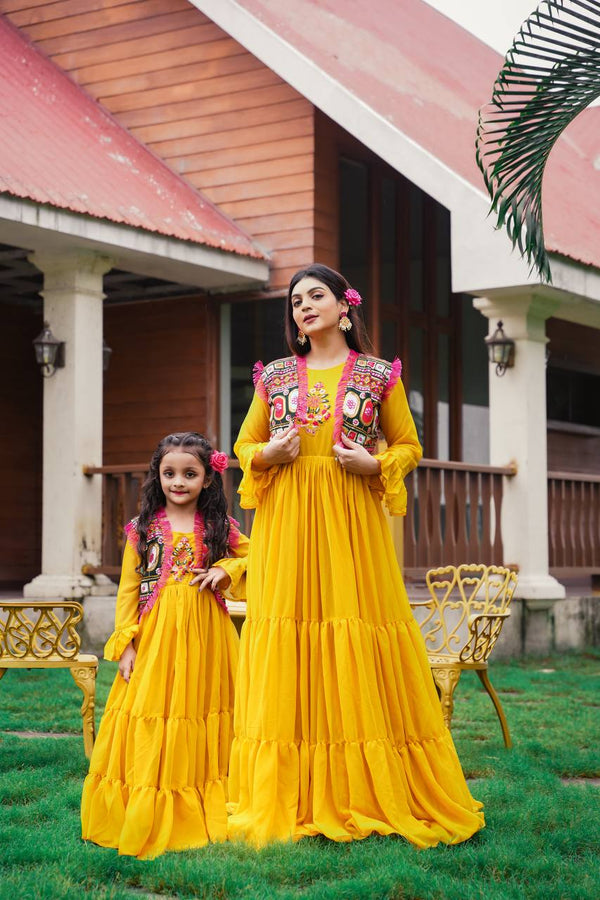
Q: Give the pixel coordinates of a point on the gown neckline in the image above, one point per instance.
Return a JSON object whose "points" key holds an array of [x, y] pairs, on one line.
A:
{"points": [[328, 368]]}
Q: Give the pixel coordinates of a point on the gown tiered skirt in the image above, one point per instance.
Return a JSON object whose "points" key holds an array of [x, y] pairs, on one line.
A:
{"points": [[338, 727], [158, 773]]}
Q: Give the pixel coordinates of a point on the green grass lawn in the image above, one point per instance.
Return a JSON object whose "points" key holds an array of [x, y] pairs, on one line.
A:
{"points": [[542, 838]]}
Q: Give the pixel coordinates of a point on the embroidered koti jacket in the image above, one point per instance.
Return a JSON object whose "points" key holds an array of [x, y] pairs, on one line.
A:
{"points": [[141, 585], [364, 384], [365, 400]]}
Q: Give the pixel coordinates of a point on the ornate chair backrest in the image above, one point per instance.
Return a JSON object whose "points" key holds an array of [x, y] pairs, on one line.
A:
{"points": [[463, 617], [42, 630]]}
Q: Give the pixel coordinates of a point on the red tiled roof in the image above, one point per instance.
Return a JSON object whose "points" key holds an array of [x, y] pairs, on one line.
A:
{"points": [[429, 77], [59, 147], [571, 190]]}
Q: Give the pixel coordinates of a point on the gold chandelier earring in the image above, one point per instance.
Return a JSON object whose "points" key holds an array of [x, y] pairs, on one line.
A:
{"points": [[344, 324], [301, 338]]}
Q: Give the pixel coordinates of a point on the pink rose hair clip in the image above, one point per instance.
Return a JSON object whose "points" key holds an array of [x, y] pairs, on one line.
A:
{"points": [[219, 461], [353, 297]]}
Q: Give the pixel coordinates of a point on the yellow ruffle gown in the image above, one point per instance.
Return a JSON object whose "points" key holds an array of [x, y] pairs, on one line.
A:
{"points": [[338, 727], [158, 772]]}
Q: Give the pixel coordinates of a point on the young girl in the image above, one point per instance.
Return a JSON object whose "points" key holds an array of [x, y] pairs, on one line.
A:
{"points": [[158, 773], [338, 728]]}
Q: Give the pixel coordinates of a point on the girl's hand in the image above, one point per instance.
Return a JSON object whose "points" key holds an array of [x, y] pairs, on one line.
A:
{"points": [[354, 458], [281, 449], [213, 578], [127, 662]]}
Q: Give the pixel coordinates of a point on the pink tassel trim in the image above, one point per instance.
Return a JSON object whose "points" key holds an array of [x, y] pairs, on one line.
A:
{"points": [[257, 371], [258, 382], [302, 408], [220, 600], [167, 561], [234, 532], [201, 552], [199, 540], [131, 534], [341, 393], [394, 377]]}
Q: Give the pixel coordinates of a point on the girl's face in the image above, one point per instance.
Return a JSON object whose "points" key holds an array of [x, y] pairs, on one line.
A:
{"points": [[182, 477], [314, 306]]}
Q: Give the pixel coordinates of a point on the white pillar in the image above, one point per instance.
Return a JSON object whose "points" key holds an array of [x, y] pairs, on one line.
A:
{"points": [[518, 433], [72, 429]]}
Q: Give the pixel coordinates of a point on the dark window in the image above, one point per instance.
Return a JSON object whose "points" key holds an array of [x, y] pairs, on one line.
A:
{"points": [[395, 248], [415, 242], [354, 223], [573, 397], [256, 333]]}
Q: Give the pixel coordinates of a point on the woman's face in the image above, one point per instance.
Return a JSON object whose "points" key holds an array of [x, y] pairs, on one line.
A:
{"points": [[314, 306]]}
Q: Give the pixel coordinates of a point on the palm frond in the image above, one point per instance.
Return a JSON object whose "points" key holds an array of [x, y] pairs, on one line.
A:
{"points": [[550, 74]]}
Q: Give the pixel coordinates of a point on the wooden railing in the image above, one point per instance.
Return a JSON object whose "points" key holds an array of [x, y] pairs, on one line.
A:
{"points": [[574, 523], [121, 487], [454, 515]]}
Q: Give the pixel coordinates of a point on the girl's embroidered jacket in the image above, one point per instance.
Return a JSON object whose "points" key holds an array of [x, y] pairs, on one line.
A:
{"points": [[140, 585]]}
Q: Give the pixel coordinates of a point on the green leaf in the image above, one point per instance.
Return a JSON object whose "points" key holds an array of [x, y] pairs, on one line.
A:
{"points": [[550, 74]]}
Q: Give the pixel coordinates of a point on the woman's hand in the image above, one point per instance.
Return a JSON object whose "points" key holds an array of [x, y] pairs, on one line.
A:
{"points": [[281, 449], [354, 458], [215, 578], [127, 662]]}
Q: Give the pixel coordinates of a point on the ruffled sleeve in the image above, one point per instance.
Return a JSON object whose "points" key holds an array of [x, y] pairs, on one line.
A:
{"points": [[235, 564], [254, 437], [402, 453], [126, 615]]}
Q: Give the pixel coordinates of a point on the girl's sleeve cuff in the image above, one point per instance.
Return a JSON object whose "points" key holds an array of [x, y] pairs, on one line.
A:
{"points": [[236, 569], [118, 641]]}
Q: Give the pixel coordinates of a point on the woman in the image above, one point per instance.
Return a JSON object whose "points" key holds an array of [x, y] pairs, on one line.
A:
{"points": [[338, 730]]}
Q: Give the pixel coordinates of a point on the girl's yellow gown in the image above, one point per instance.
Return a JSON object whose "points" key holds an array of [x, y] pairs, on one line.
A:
{"points": [[338, 727], [158, 772]]}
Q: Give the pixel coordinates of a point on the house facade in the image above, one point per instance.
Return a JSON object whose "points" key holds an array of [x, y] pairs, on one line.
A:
{"points": [[278, 136]]}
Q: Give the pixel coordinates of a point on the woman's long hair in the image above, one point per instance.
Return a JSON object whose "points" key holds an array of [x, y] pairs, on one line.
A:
{"points": [[357, 338], [212, 503]]}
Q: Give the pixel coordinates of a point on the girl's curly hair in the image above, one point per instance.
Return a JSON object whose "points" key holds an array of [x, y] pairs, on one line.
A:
{"points": [[212, 503]]}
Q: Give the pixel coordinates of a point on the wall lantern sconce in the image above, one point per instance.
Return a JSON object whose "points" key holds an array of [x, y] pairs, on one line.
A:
{"points": [[106, 354], [501, 350], [49, 352]]}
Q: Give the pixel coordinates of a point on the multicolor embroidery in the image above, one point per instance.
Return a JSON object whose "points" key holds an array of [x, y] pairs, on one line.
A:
{"points": [[365, 382], [279, 379], [155, 553], [340, 396], [364, 390], [183, 559], [317, 408], [164, 560]]}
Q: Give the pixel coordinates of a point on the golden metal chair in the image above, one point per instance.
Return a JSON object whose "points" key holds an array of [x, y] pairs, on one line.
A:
{"points": [[461, 621], [37, 634]]}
